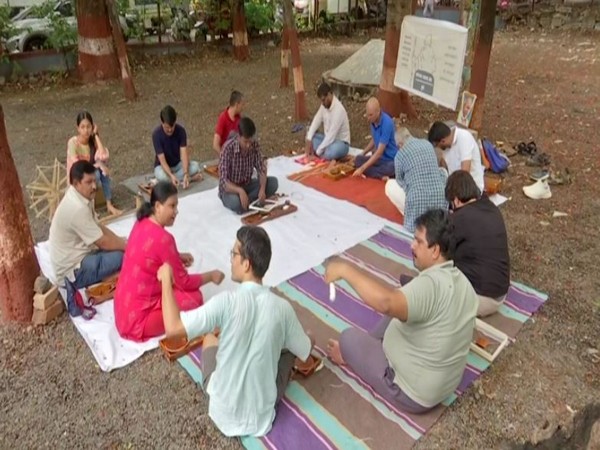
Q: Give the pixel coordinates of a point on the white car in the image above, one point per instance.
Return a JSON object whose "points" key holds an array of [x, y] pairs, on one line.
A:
{"points": [[33, 32]]}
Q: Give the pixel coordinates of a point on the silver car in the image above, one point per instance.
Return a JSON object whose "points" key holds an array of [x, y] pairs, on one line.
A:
{"points": [[32, 32]]}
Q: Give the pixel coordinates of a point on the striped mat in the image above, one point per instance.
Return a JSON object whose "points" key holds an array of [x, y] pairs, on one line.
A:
{"points": [[334, 408]]}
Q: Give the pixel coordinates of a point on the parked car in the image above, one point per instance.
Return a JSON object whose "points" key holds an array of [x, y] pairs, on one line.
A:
{"points": [[33, 32]]}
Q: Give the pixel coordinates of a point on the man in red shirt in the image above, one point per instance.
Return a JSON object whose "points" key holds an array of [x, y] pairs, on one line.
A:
{"points": [[228, 120]]}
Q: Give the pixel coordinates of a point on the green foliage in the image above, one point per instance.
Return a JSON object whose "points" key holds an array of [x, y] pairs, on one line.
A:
{"points": [[7, 30], [260, 15], [61, 33]]}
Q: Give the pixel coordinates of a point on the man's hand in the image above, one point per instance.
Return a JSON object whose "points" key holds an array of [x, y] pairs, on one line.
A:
{"points": [[358, 172], [334, 269], [186, 181], [308, 148], [244, 199], [174, 180], [262, 196], [165, 273], [217, 277], [187, 259]]}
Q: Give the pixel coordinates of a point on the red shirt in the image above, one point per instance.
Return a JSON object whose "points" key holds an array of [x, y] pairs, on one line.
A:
{"points": [[225, 125]]}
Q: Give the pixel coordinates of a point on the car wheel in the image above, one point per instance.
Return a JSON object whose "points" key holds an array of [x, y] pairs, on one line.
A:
{"points": [[35, 43]]}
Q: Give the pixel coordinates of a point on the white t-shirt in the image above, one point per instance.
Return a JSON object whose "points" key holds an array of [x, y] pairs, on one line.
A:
{"points": [[256, 326], [335, 125], [465, 148], [73, 232]]}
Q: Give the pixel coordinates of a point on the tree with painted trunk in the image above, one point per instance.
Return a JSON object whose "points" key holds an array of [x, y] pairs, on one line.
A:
{"points": [[394, 101], [96, 49], [291, 45], [18, 264], [241, 51]]}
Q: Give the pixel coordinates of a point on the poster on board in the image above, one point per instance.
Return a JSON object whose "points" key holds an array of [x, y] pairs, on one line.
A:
{"points": [[431, 57]]}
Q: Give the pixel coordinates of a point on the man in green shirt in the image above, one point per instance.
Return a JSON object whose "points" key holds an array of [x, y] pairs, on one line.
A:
{"points": [[246, 369], [416, 355]]}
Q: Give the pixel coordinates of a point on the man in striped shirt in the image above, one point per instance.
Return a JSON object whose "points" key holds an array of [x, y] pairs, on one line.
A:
{"points": [[239, 157]]}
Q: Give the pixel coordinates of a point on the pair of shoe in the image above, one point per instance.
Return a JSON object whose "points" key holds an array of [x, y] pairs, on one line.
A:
{"points": [[524, 149], [538, 159], [538, 190]]}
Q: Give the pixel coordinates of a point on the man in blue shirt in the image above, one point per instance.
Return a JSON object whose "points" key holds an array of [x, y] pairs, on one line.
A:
{"points": [[246, 369], [382, 146], [172, 162]]}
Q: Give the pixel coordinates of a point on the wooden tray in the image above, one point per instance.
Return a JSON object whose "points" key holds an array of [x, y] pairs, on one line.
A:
{"points": [[176, 348], [147, 188], [489, 341], [212, 170], [258, 218], [339, 171]]}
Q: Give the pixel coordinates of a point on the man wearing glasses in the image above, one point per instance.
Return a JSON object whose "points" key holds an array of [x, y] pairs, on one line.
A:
{"points": [[246, 369]]}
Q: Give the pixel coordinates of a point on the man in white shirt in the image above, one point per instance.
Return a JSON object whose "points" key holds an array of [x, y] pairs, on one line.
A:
{"points": [[82, 251], [246, 369], [459, 149], [335, 142]]}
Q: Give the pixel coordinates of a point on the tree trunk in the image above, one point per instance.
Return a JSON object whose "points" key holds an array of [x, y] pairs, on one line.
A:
{"points": [[97, 57], [394, 101], [241, 52], [119, 41], [289, 27], [285, 58], [18, 264]]}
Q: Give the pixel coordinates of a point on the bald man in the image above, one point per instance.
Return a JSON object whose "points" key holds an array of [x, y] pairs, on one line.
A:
{"points": [[382, 147]]}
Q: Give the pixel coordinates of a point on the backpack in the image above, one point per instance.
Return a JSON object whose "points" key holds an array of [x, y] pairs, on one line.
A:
{"points": [[498, 162]]}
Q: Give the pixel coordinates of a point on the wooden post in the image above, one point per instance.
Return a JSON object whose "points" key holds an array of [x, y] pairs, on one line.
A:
{"points": [[117, 34], [285, 58], [241, 51], [301, 112], [482, 48], [96, 52], [393, 100], [18, 264]]}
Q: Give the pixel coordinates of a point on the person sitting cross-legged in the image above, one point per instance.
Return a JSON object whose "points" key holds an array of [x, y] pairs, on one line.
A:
{"points": [[416, 355], [172, 161], [419, 183], [228, 121], [334, 142], [246, 369], [137, 305], [377, 159], [481, 241], [83, 252], [240, 156]]}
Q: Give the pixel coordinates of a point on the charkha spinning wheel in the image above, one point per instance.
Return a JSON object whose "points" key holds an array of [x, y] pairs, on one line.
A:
{"points": [[47, 189]]}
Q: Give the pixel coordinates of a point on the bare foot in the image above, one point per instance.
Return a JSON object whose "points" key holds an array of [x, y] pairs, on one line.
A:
{"points": [[334, 352], [111, 209], [197, 177]]}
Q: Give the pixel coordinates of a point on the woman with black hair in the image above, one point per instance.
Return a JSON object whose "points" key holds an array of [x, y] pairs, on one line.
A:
{"points": [[138, 305], [87, 146]]}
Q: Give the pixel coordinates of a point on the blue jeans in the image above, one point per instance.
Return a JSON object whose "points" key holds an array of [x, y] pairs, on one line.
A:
{"points": [[177, 170], [232, 201], [104, 181], [336, 150], [94, 268], [378, 170]]}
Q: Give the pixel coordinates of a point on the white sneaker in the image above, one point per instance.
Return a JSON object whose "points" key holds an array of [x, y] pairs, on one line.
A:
{"points": [[538, 190]]}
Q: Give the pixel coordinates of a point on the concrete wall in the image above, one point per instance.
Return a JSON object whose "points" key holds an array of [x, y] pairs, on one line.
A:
{"points": [[579, 15]]}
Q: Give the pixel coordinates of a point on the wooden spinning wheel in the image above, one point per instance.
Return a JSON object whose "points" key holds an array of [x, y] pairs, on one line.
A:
{"points": [[47, 189]]}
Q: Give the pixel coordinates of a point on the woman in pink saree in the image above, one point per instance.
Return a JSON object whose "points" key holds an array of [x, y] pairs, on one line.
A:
{"points": [[138, 306]]}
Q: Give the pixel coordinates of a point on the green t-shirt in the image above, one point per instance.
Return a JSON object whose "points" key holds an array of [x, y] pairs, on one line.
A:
{"points": [[429, 351]]}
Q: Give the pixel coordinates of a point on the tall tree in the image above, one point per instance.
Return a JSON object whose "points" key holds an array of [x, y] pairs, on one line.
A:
{"points": [[241, 51], [97, 57], [394, 101], [289, 29], [285, 58], [119, 41], [18, 264]]}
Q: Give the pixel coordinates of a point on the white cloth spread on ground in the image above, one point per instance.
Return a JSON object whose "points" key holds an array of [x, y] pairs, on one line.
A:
{"points": [[321, 227]]}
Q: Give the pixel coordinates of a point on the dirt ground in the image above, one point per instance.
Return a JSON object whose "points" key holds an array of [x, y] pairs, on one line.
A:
{"points": [[542, 87]]}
